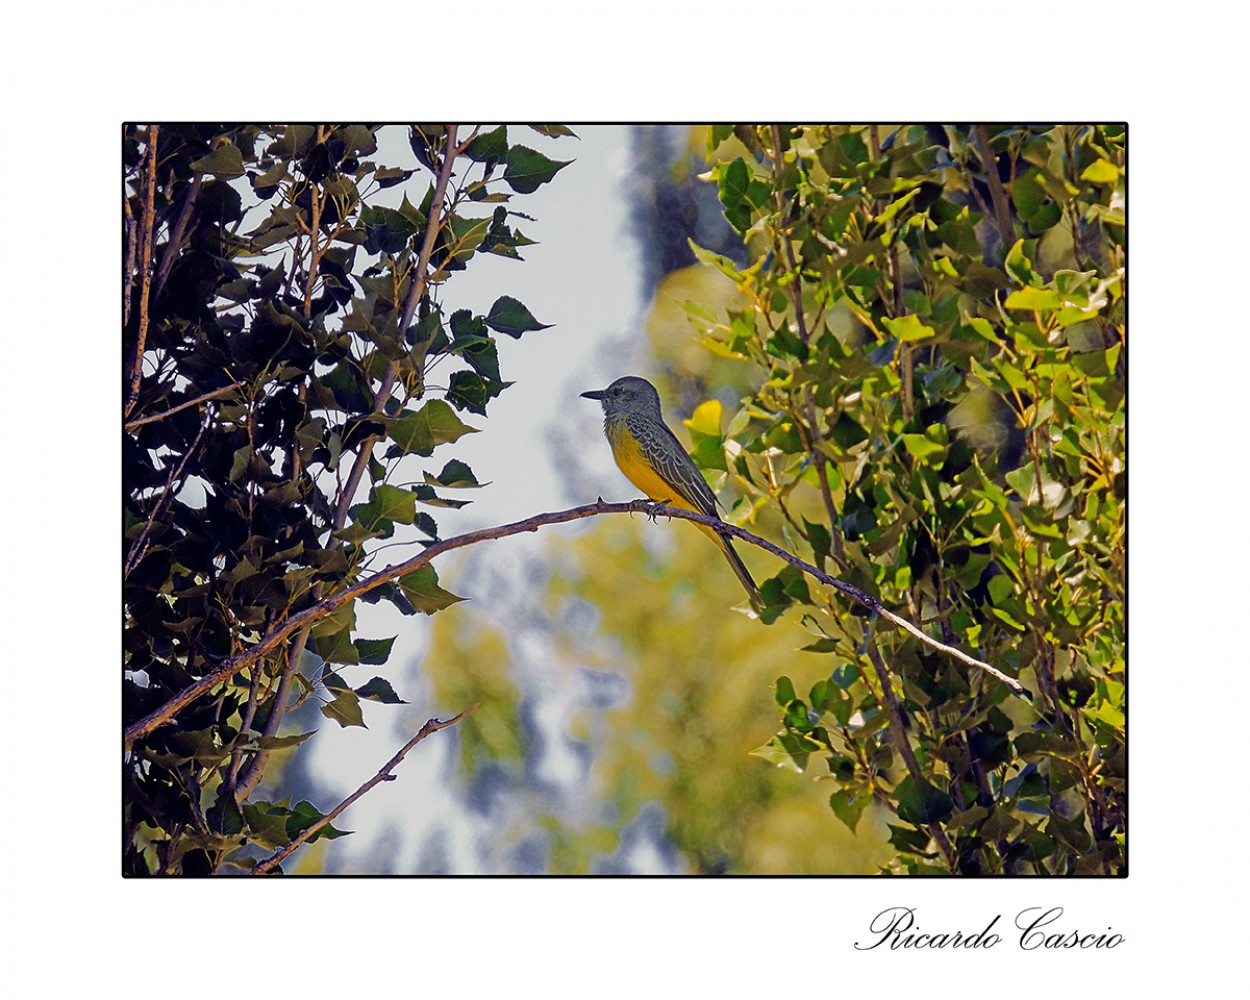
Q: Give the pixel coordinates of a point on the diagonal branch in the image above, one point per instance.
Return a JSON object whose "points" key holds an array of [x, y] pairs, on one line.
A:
{"points": [[132, 424], [431, 726], [279, 633]]}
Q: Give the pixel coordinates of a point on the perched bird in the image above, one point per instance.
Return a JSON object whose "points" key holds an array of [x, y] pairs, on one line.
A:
{"points": [[654, 460]]}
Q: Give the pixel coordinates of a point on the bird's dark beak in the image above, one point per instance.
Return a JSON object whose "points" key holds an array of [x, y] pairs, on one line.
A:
{"points": [[595, 394]]}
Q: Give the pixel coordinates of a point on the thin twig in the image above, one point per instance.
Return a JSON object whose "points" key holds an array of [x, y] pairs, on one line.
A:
{"points": [[145, 262], [131, 252], [140, 546], [309, 616], [898, 733], [807, 435], [795, 287], [315, 250], [431, 726], [131, 425], [242, 787]]}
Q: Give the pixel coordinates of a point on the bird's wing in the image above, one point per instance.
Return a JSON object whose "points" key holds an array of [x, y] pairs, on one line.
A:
{"points": [[665, 454]]}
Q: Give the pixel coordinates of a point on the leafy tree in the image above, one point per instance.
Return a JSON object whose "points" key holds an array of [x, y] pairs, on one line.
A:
{"points": [[934, 319], [292, 366]]}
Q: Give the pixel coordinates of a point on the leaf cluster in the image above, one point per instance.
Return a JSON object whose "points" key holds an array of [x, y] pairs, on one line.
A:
{"points": [[935, 320], [292, 369]]}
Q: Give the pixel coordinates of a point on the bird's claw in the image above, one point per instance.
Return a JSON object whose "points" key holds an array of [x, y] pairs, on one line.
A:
{"points": [[656, 509]]}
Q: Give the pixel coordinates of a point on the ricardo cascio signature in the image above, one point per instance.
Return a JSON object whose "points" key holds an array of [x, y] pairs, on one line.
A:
{"points": [[1036, 927]]}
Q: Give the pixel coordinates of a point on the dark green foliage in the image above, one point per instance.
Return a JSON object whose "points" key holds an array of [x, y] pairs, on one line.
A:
{"points": [[937, 327], [276, 358]]}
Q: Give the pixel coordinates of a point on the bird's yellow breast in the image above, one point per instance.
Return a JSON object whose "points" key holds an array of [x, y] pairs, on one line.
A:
{"points": [[630, 460]]}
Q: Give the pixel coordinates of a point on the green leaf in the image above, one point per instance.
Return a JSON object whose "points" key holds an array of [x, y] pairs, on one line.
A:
{"points": [[492, 145], [509, 316], [425, 494], [784, 691], [338, 620], [554, 131], [898, 205], [920, 447], [455, 475], [336, 647], [379, 689], [266, 823], [1033, 298], [1101, 172], [466, 235], [470, 391], [282, 742], [528, 169], [848, 804], [909, 328], [374, 651], [345, 710], [921, 804], [818, 537], [387, 503], [909, 840], [422, 590], [1019, 266], [788, 750], [733, 181], [482, 355], [421, 432], [226, 162], [305, 815]]}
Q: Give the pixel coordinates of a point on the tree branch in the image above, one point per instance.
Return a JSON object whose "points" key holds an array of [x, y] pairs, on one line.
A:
{"points": [[275, 636], [420, 280], [989, 163], [898, 733], [180, 231], [182, 406], [431, 726], [145, 262]]}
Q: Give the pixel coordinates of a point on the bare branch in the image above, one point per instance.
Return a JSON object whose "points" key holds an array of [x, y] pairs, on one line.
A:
{"points": [[432, 726], [322, 609]]}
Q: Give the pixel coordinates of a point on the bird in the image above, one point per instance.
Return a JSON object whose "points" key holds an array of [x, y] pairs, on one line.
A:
{"points": [[652, 458]]}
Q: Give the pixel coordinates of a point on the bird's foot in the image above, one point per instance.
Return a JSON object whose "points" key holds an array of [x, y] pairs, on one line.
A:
{"points": [[657, 509]]}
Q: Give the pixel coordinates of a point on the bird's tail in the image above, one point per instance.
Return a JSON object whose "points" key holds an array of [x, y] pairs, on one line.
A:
{"points": [[740, 570]]}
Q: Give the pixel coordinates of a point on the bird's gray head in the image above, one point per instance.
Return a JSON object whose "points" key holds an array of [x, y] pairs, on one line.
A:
{"points": [[629, 394]]}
